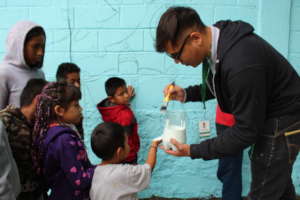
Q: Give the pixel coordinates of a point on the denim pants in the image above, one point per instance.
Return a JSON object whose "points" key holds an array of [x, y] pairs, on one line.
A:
{"points": [[272, 162], [230, 174]]}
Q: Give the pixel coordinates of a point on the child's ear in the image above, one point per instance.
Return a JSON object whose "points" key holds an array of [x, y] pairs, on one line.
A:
{"points": [[59, 110], [119, 152]]}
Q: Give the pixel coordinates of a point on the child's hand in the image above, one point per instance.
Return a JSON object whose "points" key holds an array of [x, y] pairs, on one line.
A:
{"points": [[131, 92], [155, 143]]}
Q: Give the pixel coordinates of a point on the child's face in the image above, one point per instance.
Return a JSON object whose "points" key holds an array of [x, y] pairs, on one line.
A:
{"points": [[34, 51], [121, 96], [73, 78], [72, 114]]}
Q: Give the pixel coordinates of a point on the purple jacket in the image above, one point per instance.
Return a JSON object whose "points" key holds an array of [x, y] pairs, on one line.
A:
{"points": [[67, 169]]}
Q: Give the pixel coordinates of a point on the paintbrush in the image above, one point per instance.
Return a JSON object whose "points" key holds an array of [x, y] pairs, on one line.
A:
{"points": [[163, 108]]}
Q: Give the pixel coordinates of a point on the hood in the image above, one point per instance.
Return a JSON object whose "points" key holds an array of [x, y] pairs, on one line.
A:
{"points": [[55, 131], [15, 43], [110, 112], [230, 33]]}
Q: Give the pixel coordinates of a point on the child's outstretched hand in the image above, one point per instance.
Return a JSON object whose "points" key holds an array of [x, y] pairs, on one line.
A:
{"points": [[131, 92], [156, 142]]}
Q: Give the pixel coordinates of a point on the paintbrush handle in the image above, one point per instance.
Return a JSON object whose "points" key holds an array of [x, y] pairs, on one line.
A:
{"points": [[171, 86], [167, 97]]}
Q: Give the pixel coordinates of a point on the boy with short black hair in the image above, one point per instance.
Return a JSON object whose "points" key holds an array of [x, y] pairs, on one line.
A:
{"points": [[113, 180], [18, 125], [68, 72], [115, 108]]}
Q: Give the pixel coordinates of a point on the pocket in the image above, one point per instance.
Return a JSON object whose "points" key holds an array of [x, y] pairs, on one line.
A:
{"points": [[292, 138]]}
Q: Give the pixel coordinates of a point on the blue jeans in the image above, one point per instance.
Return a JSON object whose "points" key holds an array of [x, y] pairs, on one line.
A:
{"points": [[230, 173]]}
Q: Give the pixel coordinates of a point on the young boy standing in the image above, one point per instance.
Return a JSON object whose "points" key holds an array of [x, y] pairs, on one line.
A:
{"points": [[115, 108], [113, 180]]}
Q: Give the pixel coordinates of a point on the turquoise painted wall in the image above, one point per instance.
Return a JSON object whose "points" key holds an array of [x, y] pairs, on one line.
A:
{"points": [[115, 38]]}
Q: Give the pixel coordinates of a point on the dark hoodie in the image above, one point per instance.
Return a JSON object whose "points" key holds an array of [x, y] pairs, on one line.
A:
{"points": [[254, 82], [123, 115]]}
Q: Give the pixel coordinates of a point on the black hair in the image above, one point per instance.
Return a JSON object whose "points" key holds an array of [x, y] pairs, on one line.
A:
{"points": [[31, 90], [64, 69], [36, 31], [173, 23], [112, 84], [106, 138]]}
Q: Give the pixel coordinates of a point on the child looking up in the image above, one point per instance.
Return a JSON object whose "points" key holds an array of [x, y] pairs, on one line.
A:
{"points": [[60, 154], [113, 180], [115, 108]]}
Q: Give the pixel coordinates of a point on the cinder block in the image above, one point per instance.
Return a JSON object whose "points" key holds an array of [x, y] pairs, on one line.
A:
{"points": [[85, 40], [12, 16], [225, 2], [141, 16], [294, 42], [49, 40], [133, 2], [97, 64], [82, 40], [295, 3], [248, 14], [51, 62], [91, 3], [36, 3], [295, 23], [149, 39], [111, 2], [151, 63], [28, 3], [128, 63], [133, 16], [141, 63], [2, 3], [97, 17], [171, 68], [61, 40], [121, 40], [52, 17], [149, 94], [248, 2], [206, 13]]}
